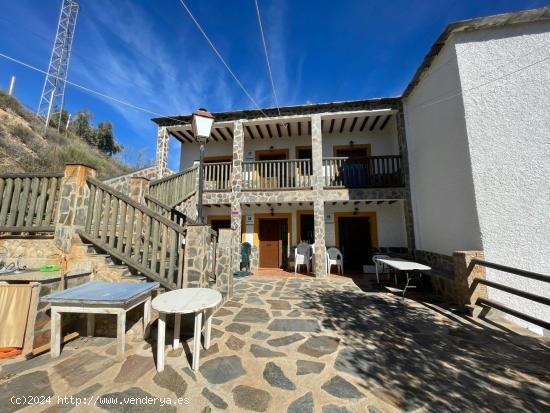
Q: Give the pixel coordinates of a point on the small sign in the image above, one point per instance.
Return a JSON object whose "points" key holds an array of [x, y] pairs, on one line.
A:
{"points": [[329, 218], [249, 220], [235, 213]]}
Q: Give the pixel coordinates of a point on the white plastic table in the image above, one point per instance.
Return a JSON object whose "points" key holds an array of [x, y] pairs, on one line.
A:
{"points": [[185, 301], [405, 266]]}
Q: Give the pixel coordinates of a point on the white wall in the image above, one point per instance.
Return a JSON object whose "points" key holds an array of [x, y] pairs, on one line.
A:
{"points": [[444, 209], [506, 87]]}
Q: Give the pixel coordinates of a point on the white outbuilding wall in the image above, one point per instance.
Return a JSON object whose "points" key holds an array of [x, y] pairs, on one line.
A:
{"points": [[442, 193], [505, 76]]}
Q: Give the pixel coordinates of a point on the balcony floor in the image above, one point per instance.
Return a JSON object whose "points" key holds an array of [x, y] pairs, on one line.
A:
{"points": [[305, 345]]}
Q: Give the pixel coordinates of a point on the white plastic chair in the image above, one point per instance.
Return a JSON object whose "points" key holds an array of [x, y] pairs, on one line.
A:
{"points": [[380, 267], [335, 257], [302, 258]]}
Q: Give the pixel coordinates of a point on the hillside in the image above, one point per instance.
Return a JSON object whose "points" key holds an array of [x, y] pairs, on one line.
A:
{"points": [[26, 147]]}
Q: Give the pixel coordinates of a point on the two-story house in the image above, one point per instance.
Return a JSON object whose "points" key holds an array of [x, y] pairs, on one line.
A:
{"points": [[327, 174]]}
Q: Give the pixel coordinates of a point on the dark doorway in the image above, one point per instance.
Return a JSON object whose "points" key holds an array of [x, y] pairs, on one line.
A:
{"points": [[218, 224], [270, 243], [307, 228], [355, 241]]}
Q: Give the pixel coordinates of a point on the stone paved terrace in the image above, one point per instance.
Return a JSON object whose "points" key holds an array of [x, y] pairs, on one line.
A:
{"points": [[306, 345]]}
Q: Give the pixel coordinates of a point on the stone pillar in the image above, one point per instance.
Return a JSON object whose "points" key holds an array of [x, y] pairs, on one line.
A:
{"points": [[139, 186], [224, 274], [197, 245], [407, 207], [236, 182], [464, 274], [318, 193], [162, 151], [73, 205]]}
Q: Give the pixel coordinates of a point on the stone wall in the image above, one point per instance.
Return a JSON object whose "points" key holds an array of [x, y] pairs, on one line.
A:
{"points": [[33, 251], [198, 244], [122, 182]]}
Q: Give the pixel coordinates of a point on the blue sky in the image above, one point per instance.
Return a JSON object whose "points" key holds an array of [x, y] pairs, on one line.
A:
{"points": [[150, 54]]}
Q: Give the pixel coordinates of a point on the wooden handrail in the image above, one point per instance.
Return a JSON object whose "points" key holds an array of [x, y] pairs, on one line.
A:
{"points": [[170, 177], [362, 172], [175, 189], [135, 204], [135, 234], [277, 174]]}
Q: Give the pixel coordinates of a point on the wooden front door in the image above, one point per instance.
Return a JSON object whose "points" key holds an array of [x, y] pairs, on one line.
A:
{"points": [[270, 243], [355, 241]]}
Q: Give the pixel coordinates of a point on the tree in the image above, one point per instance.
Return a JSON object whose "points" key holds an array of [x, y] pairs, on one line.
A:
{"points": [[105, 140], [59, 122], [82, 126]]}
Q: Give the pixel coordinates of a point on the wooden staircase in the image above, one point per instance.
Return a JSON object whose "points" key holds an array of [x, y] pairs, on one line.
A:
{"points": [[135, 235]]}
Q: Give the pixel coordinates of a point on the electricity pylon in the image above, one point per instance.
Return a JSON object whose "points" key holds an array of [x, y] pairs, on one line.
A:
{"points": [[53, 91]]}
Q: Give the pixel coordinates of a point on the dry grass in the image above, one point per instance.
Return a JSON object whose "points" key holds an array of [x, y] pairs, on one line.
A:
{"points": [[26, 147]]}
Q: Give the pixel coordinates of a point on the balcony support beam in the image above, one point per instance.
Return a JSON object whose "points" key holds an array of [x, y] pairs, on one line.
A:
{"points": [[318, 192]]}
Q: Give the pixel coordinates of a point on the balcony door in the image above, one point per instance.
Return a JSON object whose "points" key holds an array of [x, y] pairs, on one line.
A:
{"points": [[271, 175], [354, 171]]}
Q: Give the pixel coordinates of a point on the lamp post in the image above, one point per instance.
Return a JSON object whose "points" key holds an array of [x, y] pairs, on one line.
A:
{"points": [[202, 128]]}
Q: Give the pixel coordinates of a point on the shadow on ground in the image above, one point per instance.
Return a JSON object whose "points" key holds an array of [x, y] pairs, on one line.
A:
{"points": [[409, 355]]}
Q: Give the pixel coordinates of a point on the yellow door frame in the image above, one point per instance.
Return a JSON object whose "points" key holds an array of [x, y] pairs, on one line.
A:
{"points": [[364, 214], [257, 218], [261, 152]]}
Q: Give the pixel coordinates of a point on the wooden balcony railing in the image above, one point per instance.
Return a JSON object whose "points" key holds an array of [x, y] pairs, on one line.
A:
{"points": [[364, 172], [28, 202], [283, 174], [217, 176], [176, 188]]}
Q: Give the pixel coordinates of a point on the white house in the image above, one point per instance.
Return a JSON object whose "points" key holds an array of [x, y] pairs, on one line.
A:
{"points": [[459, 162]]}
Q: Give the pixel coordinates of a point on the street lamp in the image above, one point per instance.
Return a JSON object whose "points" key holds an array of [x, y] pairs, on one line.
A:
{"points": [[202, 128]]}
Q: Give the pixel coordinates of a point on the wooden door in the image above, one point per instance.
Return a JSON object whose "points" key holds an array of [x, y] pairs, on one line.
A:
{"points": [[355, 241], [270, 236]]}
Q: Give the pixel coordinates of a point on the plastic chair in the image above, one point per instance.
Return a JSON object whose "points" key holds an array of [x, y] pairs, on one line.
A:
{"points": [[380, 267], [335, 257], [246, 251], [302, 256]]}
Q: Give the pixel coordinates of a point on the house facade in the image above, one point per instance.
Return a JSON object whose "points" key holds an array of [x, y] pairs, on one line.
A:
{"points": [[459, 162], [329, 174]]}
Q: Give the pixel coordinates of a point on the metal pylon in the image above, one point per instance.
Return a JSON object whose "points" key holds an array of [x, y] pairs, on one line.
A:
{"points": [[53, 91]]}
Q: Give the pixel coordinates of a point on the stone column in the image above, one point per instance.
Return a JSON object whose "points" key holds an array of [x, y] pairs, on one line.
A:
{"points": [[318, 193], [162, 151], [224, 273], [197, 244], [139, 186], [73, 205], [407, 207], [236, 212], [464, 273]]}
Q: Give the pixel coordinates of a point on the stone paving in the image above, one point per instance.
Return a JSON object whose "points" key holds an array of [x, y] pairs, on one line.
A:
{"points": [[305, 345]]}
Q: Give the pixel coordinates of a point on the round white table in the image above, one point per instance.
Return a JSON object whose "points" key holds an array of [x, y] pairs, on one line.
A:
{"points": [[185, 301]]}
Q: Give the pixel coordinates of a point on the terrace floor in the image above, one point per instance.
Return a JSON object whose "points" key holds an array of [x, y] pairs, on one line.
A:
{"points": [[306, 345]]}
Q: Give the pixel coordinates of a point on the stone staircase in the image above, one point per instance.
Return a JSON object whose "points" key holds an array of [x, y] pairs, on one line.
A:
{"points": [[88, 257]]}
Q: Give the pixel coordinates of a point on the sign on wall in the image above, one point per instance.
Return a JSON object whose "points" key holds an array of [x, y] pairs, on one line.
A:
{"points": [[329, 218], [249, 220]]}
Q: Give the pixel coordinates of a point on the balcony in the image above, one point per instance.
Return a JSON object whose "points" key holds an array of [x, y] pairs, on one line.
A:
{"points": [[288, 174], [363, 172]]}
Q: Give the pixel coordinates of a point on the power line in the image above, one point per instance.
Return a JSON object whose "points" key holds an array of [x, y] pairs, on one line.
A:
{"points": [[267, 57], [221, 58], [92, 91]]}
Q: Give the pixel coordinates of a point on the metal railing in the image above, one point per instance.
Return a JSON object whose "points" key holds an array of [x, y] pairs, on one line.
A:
{"points": [[511, 290], [129, 231], [174, 189], [217, 176], [362, 172], [282, 174], [28, 202]]}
